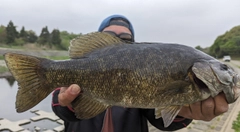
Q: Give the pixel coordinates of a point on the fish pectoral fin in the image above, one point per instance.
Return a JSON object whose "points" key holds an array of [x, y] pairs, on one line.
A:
{"points": [[86, 107], [158, 112], [168, 114], [89, 42]]}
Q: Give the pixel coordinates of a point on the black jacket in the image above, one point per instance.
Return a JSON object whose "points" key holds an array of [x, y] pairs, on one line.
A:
{"points": [[124, 119]]}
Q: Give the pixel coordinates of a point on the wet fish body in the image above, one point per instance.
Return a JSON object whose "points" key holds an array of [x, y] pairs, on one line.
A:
{"points": [[111, 72]]}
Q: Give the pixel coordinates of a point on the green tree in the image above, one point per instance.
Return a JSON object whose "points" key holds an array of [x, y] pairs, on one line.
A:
{"points": [[66, 38], [23, 34], [44, 37], [237, 39], [55, 37], [3, 34], [12, 33], [32, 37], [199, 47], [227, 44]]}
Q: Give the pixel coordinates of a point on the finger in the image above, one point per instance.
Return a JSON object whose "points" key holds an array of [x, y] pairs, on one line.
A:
{"points": [[208, 107], [193, 111], [196, 110], [66, 96], [63, 89], [185, 112], [221, 105]]}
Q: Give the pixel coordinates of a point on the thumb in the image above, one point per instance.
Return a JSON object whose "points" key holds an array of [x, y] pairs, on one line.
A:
{"points": [[65, 98], [74, 89]]}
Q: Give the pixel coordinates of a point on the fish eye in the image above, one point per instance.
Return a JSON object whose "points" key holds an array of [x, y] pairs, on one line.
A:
{"points": [[235, 79]]}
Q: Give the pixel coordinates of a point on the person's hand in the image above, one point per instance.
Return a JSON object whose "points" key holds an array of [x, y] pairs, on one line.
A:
{"points": [[67, 95], [205, 110]]}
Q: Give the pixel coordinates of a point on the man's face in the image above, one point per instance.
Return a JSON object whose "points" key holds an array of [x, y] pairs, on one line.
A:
{"points": [[119, 31]]}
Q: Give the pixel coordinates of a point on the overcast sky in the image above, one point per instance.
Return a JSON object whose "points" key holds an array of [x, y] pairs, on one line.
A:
{"points": [[188, 22]]}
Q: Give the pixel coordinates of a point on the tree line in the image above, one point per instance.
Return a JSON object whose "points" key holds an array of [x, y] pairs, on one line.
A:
{"points": [[227, 44], [11, 37]]}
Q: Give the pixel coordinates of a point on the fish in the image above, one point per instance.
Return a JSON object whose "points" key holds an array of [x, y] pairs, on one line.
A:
{"points": [[113, 72]]}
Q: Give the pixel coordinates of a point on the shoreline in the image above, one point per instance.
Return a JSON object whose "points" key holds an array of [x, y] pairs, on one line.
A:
{"points": [[40, 53], [6, 74]]}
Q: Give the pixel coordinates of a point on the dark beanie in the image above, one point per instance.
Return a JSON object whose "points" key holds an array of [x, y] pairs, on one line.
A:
{"points": [[108, 21]]}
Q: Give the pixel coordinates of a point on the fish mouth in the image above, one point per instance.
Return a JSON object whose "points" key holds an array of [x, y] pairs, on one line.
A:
{"points": [[232, 92], [236, 86], [216, 77]]}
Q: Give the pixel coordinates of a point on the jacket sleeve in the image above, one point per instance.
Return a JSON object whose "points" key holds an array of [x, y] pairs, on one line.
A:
{"points": [[178, 123], [65, 113]]}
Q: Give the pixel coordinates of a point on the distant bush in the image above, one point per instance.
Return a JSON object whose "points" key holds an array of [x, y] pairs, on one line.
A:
{"points": [[19, 42]]}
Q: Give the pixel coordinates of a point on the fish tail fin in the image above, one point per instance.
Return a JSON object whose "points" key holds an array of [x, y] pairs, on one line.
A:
{"points": [[28, 72]]}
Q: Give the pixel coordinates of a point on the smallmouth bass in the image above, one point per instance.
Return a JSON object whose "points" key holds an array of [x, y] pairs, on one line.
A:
{"points": [[112, 72]]}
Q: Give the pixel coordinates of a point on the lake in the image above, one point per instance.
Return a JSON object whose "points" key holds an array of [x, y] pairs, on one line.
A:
{"points": [[7, 110]]}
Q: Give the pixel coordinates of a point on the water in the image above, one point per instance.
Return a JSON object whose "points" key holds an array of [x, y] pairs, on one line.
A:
{"points": [[7, 107]]}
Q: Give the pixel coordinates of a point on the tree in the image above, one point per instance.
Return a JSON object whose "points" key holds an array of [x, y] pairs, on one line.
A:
{"points": [[3, 34], [32, 37], [55, 37], [44, 37], [66, 38], [227, 44], [199, 48], [11, 32], [23, 34], [237, 40]]}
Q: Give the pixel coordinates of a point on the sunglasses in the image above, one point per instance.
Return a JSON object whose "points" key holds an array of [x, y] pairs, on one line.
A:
{"points": [[123, 36]]}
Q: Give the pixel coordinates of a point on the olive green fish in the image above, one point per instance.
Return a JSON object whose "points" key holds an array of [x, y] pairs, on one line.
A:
{"points": [[112, 72]]}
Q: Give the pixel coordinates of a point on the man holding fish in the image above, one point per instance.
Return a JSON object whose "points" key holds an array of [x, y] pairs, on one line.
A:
{"points": [[121, 119]]}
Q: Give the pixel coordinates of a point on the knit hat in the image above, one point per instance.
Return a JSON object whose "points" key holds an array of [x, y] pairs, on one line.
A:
{"points": [[114, 20]]}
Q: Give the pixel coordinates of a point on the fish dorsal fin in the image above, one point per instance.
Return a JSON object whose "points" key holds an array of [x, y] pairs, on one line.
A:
{"points": [[90, 42]]}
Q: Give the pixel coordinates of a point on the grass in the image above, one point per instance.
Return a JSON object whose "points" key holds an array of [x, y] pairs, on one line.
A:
{"points": [[212, 127], [236, 124], [3, 69], [57, 57], [12, 47], [48, 57], [235, 57], [1, 57], [33, 47]]}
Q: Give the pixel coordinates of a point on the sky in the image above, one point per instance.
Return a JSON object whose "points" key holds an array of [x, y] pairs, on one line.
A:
{"points": [[189, 22]]}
